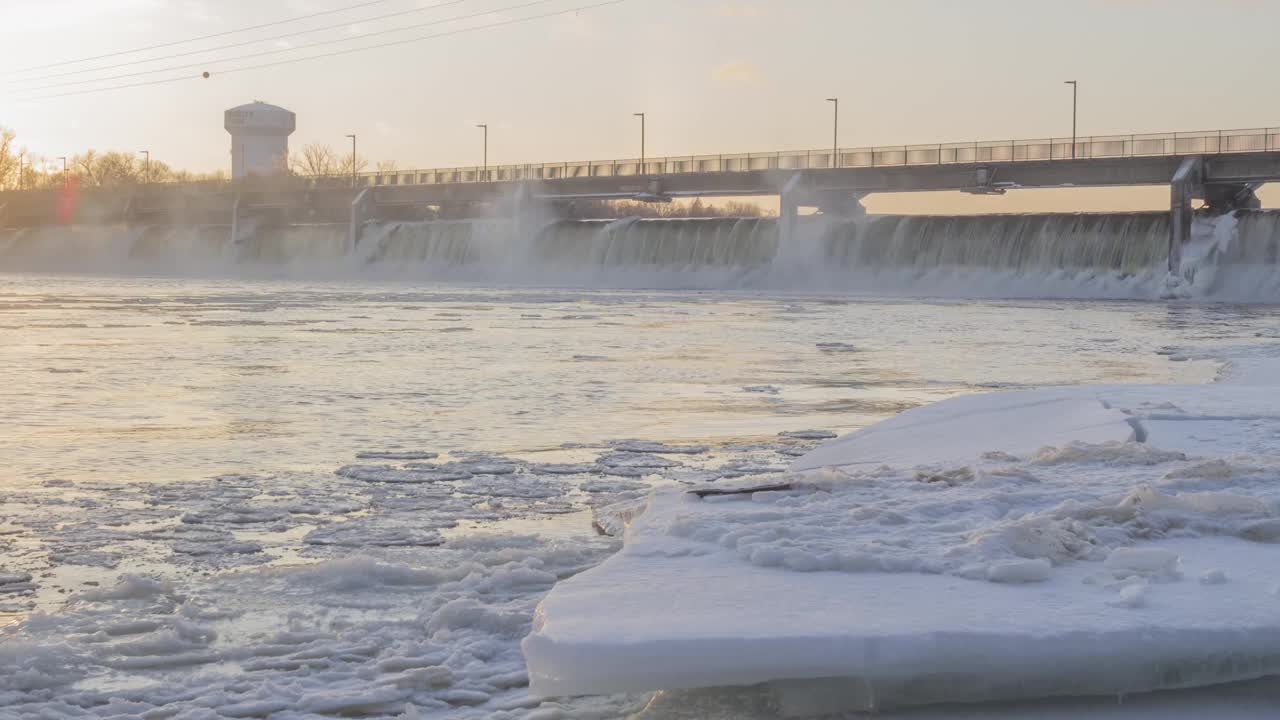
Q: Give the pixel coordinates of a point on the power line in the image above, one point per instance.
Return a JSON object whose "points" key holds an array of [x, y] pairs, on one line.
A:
{"points": [[224, 33], [218, 48], [336, 53], [278, 51]]}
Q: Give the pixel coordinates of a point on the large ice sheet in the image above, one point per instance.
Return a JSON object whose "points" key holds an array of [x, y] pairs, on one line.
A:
{"points": [[1070, 562], [959, 430]]}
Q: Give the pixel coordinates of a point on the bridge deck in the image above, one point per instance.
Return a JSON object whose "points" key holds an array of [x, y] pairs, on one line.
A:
{"points": [[1211, 142], [1245, 157]]}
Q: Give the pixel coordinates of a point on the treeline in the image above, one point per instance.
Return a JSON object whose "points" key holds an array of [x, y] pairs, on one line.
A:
{"points": [[320, 159], [608, 209], [21, 169]]}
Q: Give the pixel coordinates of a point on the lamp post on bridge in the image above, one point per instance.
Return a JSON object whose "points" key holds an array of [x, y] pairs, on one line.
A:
{"points": [[835, 133], [146, 169], [64, 170], [1075, 95], [484, 176], [640, 170], [353, 160]]}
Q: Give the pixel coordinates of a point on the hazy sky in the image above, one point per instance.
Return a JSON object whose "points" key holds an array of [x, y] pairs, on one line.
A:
{"points": [[712, 75]]}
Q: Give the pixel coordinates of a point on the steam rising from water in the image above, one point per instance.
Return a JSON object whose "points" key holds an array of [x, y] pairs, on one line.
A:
{"points": [[1118, 255]]}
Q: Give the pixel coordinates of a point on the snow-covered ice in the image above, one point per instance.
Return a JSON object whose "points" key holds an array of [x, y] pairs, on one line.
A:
{"points": [[1015, 422], [984, 547]]}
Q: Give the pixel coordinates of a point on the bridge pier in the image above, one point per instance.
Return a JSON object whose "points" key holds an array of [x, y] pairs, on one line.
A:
{"points": [[359, 214], [789, 211], [235, 221], [1183, 188], [788, 220], [521, 207], [129, 211]]}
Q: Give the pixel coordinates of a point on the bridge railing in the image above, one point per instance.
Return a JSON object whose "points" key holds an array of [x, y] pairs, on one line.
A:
{"points": [[1034, 150]]}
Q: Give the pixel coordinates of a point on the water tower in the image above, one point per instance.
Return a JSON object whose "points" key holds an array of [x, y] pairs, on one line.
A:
{"points": [[259, 139]]}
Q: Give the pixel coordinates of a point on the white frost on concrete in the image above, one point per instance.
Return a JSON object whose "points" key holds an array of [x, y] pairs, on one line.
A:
{"points": [[990, 546]]}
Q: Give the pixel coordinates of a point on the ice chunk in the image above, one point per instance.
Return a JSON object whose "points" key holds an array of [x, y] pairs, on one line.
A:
{"points": [[1126, 562], [885, 591], [413, 474], [1130, 596], [1020, 571], [640, 461], [1115, 453], [1213, 577], [807, 434], [361, 533], [396, 455], [657, 448], [564, 468]]}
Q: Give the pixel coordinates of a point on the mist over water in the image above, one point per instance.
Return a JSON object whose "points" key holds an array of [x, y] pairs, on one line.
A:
{"points": [[1115, 255]]}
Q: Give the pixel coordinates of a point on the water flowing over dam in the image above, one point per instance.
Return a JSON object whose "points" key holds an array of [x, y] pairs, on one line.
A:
{"points": [[1113, 255]]}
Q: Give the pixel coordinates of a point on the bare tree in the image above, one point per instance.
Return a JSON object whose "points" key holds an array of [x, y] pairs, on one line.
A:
{"points": [[695, 209], [387, 166], [315, 159], [344, 167], [9, 160]]}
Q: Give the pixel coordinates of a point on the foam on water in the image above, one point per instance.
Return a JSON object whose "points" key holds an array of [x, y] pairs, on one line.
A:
{"points": [[1118, 255]]}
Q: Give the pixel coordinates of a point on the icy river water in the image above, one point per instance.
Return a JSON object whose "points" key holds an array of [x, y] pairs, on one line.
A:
{"points": [[281, 499]]}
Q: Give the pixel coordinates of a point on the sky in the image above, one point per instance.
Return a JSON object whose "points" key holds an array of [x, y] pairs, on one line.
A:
{"points": [[712, 76]]}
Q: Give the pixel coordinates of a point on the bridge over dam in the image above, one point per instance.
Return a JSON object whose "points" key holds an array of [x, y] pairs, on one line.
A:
{"points": [[1222, 168]]}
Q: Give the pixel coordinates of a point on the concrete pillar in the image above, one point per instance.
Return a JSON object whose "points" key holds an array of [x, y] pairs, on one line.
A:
{"points": [[1179, 226], [235, 221], [520, 210], [359, 213], [789, 212], [1182, 189], [788, 219]]}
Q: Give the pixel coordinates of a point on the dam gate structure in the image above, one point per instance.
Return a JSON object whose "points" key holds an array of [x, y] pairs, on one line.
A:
{"points": [[1222, 168]]}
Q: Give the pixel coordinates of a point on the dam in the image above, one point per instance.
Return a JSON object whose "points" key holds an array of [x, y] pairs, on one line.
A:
{"points": [[522, 223], [1107, 255]]}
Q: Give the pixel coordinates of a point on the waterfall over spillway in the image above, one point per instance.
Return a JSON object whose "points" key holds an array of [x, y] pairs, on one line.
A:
{"points": [[1113, 255]]}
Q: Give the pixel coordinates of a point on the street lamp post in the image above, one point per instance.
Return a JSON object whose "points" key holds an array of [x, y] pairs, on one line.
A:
{"points": [[484, 175], [146, 169], [1075, 90], [64, 170], [353, 160], [640, 170], [835, 133]]}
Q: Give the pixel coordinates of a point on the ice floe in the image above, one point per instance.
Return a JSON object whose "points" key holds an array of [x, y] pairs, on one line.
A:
{"points": [[985, 547]]}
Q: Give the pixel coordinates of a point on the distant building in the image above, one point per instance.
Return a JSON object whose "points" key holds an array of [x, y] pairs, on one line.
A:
{"points": [[259, 139]]}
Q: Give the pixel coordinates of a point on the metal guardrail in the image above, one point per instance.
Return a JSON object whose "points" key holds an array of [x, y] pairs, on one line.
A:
{"points": [[1040, 150], [1048, 149]]}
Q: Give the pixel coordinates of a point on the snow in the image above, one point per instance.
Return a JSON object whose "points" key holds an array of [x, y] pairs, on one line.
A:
{"points": [[1128, 562], [1020, 571], [984, 547], [958, 430]]}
